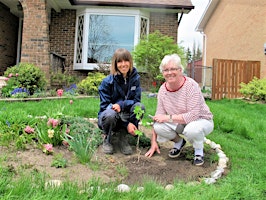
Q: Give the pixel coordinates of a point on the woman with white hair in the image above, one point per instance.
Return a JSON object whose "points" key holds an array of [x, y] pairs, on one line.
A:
{"points": [[181, 111]]}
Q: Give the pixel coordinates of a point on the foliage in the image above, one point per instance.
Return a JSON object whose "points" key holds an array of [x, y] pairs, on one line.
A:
{"points": [[12, 128], [83, 138], [90, 84], [63, 80], [254, 90], [24, 76], [59, 161], [150, 51]]}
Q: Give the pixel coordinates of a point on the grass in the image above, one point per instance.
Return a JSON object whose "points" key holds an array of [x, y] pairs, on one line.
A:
{"points": [[239, 129]]}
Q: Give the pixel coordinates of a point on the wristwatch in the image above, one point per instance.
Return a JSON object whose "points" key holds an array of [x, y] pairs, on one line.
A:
{"points": [[170, 119]]}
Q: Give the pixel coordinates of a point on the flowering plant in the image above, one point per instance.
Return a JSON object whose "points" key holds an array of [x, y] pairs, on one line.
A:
{"points": [[51, 131], [48, 149], [60, 92]]}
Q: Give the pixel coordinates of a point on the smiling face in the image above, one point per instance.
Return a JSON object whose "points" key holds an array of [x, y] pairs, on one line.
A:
{"points": [[171, 72], [123, 66]]}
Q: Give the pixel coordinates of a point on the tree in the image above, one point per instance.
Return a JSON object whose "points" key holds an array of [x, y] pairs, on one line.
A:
{"points": [[150, 51]]}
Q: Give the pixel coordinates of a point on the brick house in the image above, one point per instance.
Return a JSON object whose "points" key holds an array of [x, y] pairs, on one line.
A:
{"points": [[82, 33], [234, 30]]}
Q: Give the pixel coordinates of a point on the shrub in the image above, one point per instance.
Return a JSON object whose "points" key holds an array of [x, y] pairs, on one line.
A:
{"points": [[89, 85], [62, 80], [150, 51], [254, 90], [26, 77]]}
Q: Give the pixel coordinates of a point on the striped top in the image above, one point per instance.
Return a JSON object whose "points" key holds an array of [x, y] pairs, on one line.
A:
{"points": [[188, 101]]}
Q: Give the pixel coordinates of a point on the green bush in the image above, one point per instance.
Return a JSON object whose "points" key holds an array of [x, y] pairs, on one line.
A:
{"points": [[25, 78], [150, 51], [254, 90], [89, 85], [62, 80]]}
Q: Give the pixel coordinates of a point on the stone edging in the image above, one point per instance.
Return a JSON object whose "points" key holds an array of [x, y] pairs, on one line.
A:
{"points": [[216, 174]]}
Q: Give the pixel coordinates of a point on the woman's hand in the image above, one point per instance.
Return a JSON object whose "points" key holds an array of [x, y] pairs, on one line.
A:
{"points": [[116, 108], [131, 128], [154, 148]]}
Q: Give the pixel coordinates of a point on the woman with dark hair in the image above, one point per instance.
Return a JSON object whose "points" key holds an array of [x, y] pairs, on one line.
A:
{"points": [[120, 93]]}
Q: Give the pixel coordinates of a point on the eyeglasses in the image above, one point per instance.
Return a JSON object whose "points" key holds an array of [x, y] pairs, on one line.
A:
{"points": [[170, 70]]}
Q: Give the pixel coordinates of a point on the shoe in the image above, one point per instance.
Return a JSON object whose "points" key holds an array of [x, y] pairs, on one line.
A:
{"points": [[174, 152], [124, 146], [107, 147], [198, 160]]}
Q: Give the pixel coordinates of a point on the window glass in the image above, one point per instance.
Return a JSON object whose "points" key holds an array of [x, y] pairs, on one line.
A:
{"points": [[107, 33]]}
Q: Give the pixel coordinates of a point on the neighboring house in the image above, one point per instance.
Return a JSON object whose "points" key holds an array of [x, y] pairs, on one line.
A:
{"points": [[82, 33], [234, 30]]}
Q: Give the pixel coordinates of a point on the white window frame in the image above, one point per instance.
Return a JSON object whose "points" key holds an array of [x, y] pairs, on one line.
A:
{"points": [[137, 13]]}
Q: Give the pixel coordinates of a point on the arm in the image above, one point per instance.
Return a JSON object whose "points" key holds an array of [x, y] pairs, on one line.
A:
{"points": [[154, 145]]}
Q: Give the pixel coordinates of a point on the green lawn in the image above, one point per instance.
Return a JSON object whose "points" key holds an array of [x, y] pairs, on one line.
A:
{"points": [[240, 128]]}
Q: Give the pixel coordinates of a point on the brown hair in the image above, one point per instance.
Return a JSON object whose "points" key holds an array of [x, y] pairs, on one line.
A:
{"points": [[120, 55]]}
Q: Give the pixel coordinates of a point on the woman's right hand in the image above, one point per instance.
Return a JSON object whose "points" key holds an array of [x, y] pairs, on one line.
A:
{"points": [[154, 148]]}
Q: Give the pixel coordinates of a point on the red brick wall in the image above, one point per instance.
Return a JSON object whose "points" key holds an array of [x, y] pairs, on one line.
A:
{"points": [[8, 38], [62, 34], [166, 23], [35, 39]]}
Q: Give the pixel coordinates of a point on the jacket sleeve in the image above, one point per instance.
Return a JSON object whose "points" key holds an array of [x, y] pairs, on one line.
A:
{"points": [[105, 91]]}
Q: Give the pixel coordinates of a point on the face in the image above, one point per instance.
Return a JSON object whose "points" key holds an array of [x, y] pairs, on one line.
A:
{"points": [[123, 67], [171, 72]]}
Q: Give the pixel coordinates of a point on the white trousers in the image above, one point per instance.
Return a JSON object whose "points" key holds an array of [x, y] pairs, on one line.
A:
{"points": [[194, 132]]}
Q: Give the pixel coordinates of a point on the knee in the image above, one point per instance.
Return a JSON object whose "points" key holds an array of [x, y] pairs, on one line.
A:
{"points": [[109, 115], [193, 133]]}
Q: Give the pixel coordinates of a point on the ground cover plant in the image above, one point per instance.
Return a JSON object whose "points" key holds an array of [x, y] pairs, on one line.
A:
{"points": [[239, 129]]}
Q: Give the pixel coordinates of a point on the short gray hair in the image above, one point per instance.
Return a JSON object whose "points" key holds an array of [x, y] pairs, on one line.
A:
{"points": [[172, 57]]}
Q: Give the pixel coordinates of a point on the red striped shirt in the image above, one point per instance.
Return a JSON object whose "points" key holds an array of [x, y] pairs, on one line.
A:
{"points": [[188, 101]]}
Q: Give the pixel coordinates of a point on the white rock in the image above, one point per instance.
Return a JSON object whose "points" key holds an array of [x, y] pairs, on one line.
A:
{"points": [[218, 146], [169, 187], [209, 180], [218, 150], [123, 188], [53, 183], [216, 174], [221, 155], [213, 145], [207, 141]]}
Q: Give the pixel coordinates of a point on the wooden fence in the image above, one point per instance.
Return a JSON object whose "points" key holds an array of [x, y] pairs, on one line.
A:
{"points": [[228, 74]]}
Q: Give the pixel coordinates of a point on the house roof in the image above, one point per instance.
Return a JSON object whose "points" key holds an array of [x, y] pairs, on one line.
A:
{"points": [[170, 4], [183, 6], [206, 15]]}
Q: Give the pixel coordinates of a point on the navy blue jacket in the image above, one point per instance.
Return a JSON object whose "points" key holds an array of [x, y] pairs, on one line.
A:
{"points": [[111, 91]]}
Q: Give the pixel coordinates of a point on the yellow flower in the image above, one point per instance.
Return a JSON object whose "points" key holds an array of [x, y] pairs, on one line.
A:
{"points": [[50, 133]]}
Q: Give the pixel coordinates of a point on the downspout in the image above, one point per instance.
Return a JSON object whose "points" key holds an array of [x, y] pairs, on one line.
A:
{"points": [[19, 40], [204, 64]]}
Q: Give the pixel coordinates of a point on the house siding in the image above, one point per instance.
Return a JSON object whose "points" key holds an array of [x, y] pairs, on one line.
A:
{"points": [[8, 38], [237, 31]]}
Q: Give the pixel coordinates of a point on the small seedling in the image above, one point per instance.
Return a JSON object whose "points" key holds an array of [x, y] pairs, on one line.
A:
{"points": [[139, 113]]}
